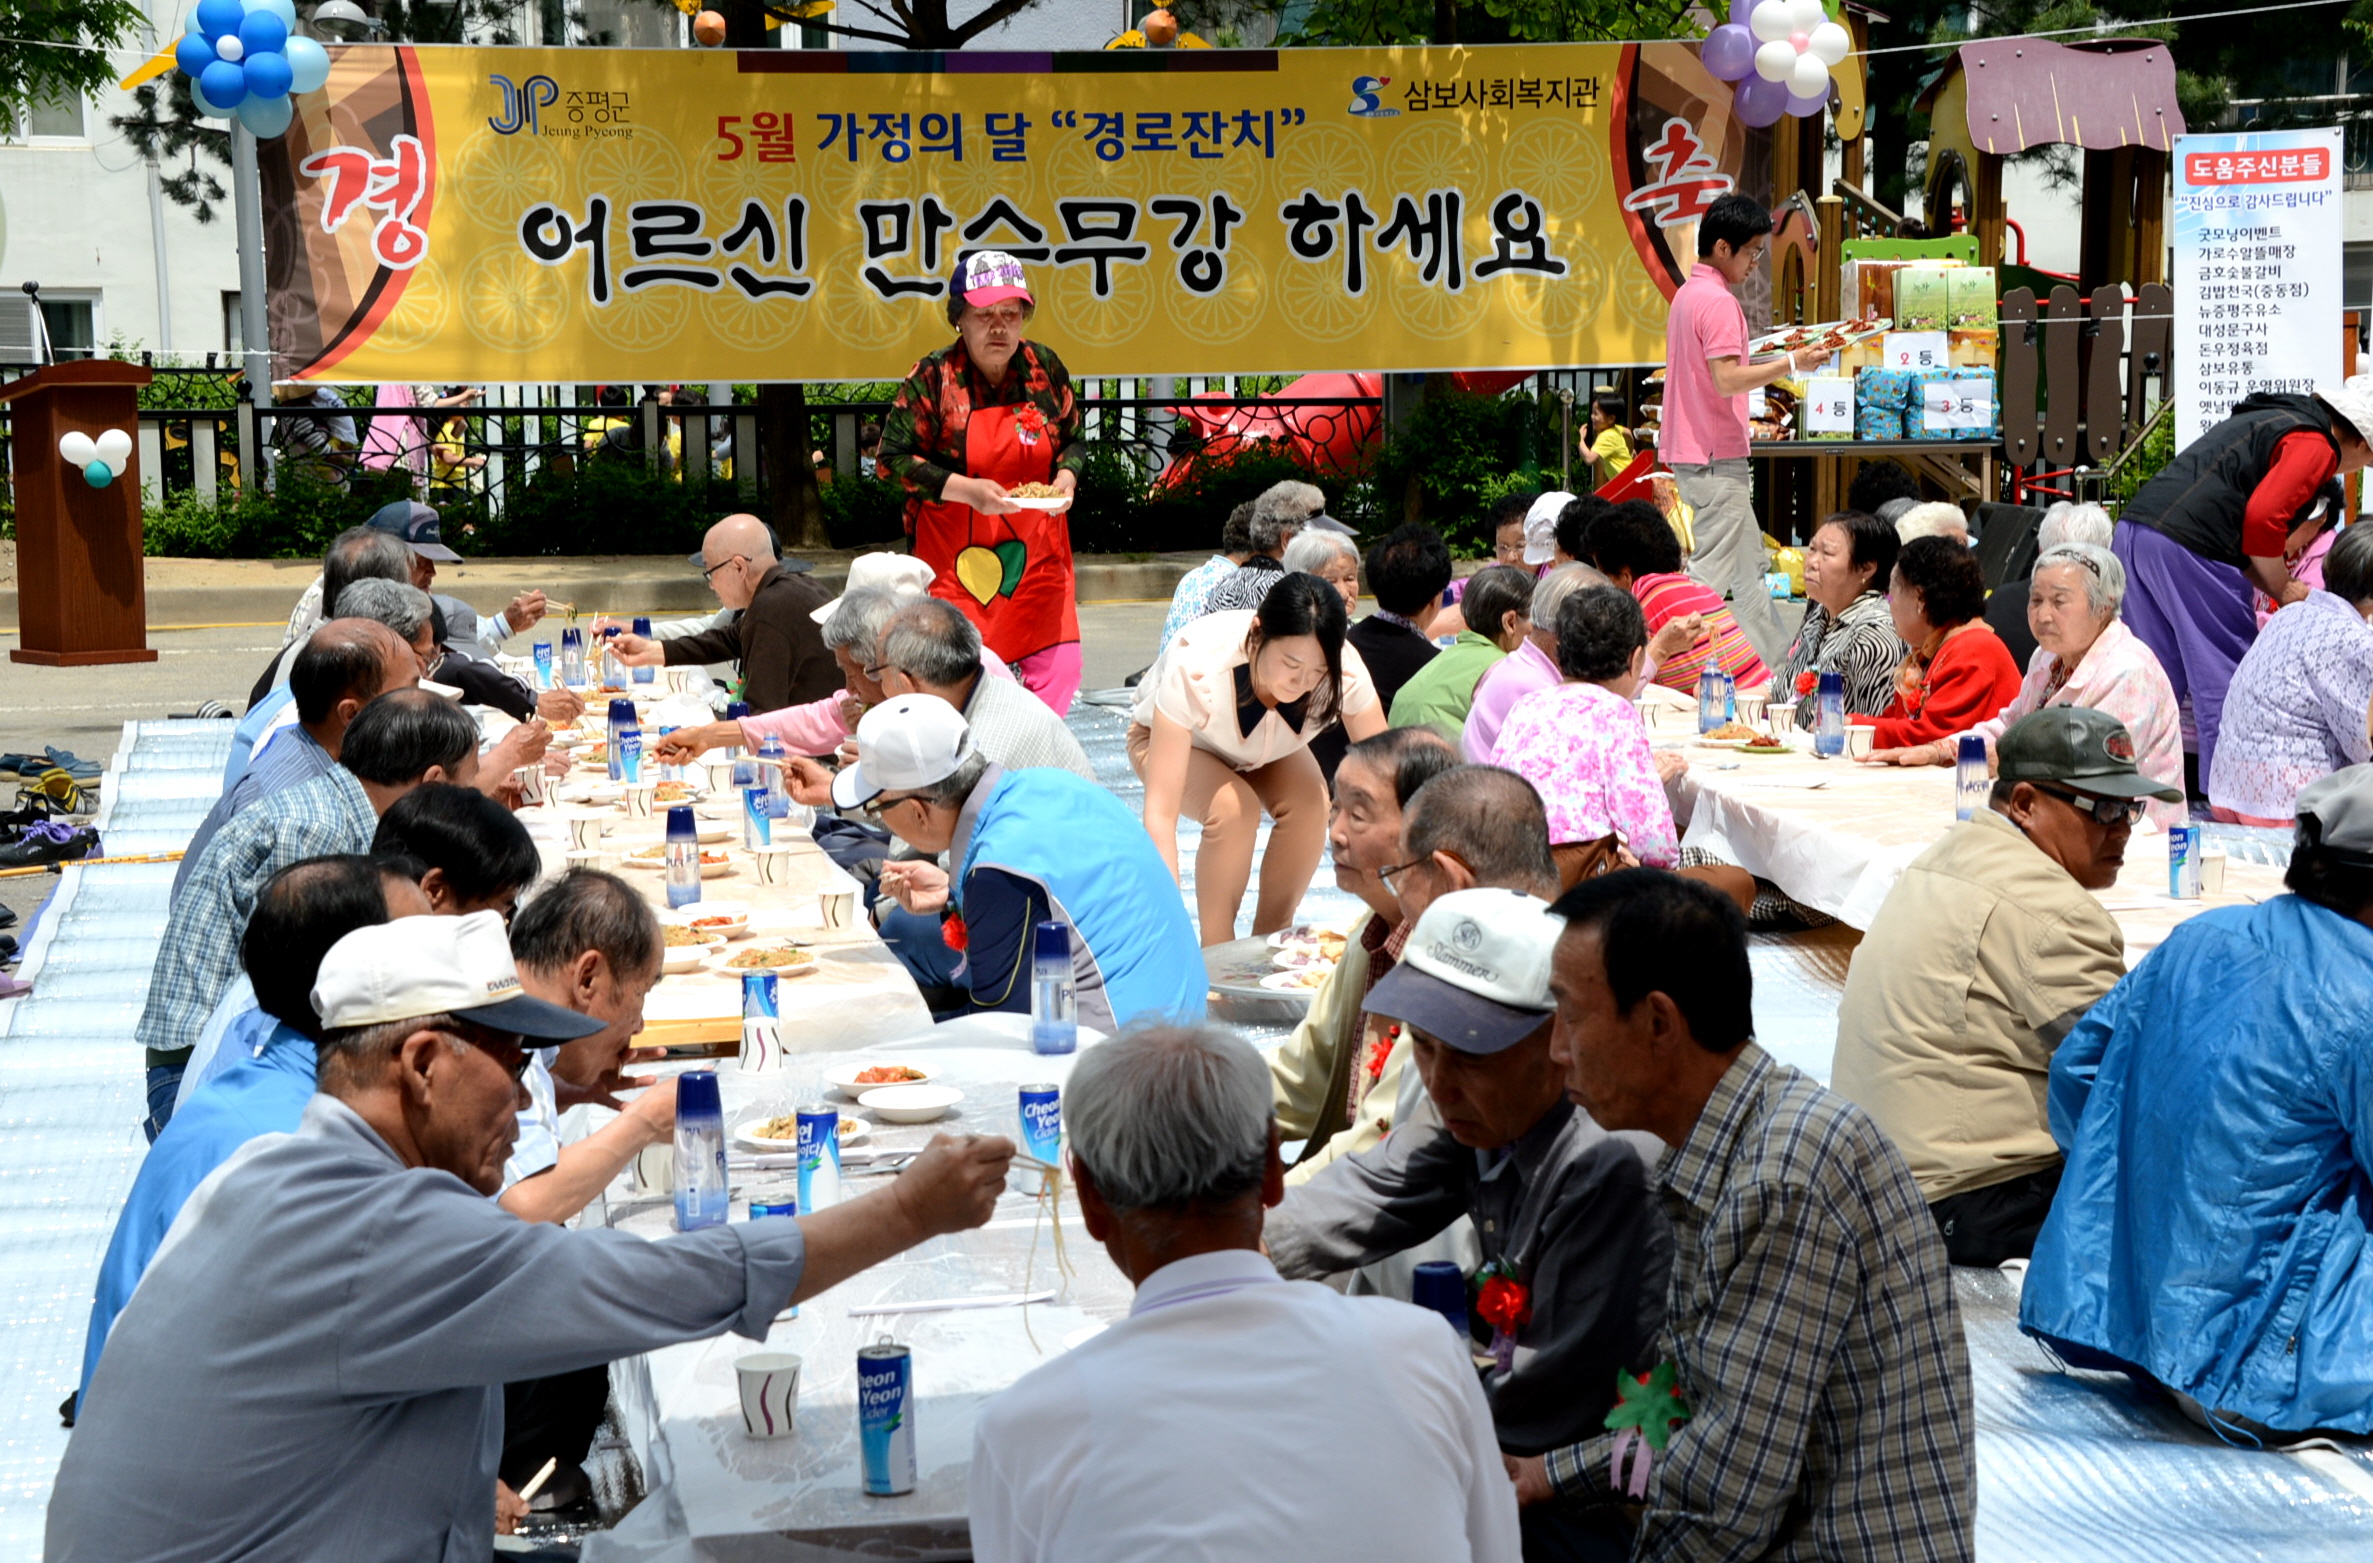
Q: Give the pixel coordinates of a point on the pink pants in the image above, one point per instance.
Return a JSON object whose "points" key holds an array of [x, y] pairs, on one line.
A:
{"points": [[1052, 675]]}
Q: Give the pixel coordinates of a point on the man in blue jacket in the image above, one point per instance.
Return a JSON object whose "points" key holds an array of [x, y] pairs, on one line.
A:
{"points": [[2216, 1109], [1028, 847]]}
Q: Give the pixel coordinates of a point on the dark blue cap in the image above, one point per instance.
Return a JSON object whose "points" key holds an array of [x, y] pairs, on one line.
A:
{"points": [[622, 711], [680, 826], [1052, 942], [696, 1095], [736, 710]]}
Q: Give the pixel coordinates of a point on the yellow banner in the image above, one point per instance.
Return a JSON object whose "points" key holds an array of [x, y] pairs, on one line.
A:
{"points": [[449, 213]]}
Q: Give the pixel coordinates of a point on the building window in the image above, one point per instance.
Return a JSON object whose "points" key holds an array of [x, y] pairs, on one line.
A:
{"points": [[73, 327], [234, 339], [53, 121]]}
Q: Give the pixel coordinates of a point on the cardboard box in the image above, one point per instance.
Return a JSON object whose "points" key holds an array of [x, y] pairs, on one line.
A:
{"points": [[1921, 302], [1970, 299]]}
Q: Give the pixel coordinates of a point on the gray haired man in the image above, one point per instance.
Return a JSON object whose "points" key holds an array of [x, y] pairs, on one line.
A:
{"points": [[928, 647], [1296, 1411], [312, 1367]]}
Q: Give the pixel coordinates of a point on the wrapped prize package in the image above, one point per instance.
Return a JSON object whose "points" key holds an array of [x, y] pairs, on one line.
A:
{"points": [[1921, 302], [1881, 397]]}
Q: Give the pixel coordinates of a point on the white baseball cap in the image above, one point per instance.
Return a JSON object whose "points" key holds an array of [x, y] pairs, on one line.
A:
{"points": [[902, 574], [1540, 526], [904, 743], [988, 277], [1475, 974], [419, 966], [2353, 401]]}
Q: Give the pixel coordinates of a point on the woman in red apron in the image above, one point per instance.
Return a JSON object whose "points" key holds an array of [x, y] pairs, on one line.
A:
{"points": [[974, 421]]}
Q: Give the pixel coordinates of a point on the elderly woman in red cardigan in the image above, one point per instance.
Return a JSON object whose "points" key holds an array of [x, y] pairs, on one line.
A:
{"points": [[1959, 672]]}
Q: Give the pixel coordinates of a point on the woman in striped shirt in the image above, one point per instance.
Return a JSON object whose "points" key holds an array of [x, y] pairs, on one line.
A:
{"points": [[1634, 547], [1847, 628]]}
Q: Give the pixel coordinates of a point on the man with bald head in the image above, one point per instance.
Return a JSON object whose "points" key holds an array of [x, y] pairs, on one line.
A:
{"points": [[776, 641], [340, 668]]}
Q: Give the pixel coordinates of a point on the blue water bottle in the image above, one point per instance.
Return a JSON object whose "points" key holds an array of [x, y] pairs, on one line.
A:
{"points": [[622, 721], [1971, 780], [745, 774], [1054, 1004], [683, 856], [1829, 721], [642, 627], [1710, 712], [702, 1193], [774, 778]]}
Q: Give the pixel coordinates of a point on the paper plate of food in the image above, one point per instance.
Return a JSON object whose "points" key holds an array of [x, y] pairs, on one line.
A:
{"points": [[854, 1080], [1327, 942], [1297, 957], [714, 864], [1730, 735], [724, 919], [678, 792], [1296, 981], [784, 960], [683, 949], [1038, 496], [782, 1134]]}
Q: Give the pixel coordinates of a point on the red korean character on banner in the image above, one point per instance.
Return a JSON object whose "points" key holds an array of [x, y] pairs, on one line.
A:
{"points": [[393, 186]]}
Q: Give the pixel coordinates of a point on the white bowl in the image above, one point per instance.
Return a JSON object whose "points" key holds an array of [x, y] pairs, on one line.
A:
{"points": [[844, 1077], [687, 957], [910, 1103]]}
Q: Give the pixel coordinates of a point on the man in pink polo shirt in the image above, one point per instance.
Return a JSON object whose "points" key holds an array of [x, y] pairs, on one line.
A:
{"points": [[1707, 376]]}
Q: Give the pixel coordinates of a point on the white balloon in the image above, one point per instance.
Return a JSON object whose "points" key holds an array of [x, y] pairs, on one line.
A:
{"points": [[1769, 21], [1805, 15], [1810, 78], [114, 447], [79, 449], [1832, 43], [230, 48], [1776, 60]]}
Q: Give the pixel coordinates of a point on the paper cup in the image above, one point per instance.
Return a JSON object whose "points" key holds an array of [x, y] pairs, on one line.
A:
{"points": [[638, 799], [1860, 741], [685, 681], [839, 907], [721, 779], [2212, 870], [531, 783], [585, 831], [770, 1393], [584, 857], [655, 1168], [772, 862]]}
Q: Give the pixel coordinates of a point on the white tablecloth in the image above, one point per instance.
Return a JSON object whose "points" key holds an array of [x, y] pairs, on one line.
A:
{"points": [[715, 1492], [1834, 834]]}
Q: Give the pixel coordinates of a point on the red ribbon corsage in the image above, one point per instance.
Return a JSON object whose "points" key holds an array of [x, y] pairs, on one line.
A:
{"points": [[1807, 682], [1504, 1303], [952, 932], [1031, 422]]}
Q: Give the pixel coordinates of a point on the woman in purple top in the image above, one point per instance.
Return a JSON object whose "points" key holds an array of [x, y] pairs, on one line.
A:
{"points": [[2297, 707], [1531, 666]]}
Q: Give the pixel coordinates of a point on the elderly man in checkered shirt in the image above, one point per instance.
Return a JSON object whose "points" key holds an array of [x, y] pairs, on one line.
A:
{"points": [[1811, 1340]]}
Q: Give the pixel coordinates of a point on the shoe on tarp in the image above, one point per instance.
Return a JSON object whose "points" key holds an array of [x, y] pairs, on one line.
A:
{"points": [[74, 765], [49, 842], [54, 787]]}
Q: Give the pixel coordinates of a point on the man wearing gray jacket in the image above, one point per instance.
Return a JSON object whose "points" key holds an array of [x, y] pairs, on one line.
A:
{"points": [[312, 1366]]}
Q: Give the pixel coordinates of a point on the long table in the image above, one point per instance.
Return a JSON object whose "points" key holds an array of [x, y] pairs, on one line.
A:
{"points": [[857, 993], [1835, 833], [715, 1491]]}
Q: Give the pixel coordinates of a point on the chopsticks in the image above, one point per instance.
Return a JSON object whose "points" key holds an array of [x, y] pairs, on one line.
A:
{"points": [[951, 1304], [535, 1483]]}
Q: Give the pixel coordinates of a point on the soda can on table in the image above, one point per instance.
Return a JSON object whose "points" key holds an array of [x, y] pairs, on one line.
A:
{"points": [[819, 1156], [886, 1418], [778, 1206], [758, 826], [1042, 1130], [762, 1032], [2183, 862]]}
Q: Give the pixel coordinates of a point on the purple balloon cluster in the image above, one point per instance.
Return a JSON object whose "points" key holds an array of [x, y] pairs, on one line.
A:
{"points": [[1729, 55]]}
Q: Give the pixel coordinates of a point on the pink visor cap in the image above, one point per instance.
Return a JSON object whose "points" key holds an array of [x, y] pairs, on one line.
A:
{"points": [[991, 277]]}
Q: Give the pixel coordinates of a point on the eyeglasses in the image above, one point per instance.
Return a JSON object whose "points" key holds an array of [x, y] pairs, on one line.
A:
{"points": [[721, 564], [1392, 874], [880, 807], [517, 1071], [2108, 811], [433, 661]]}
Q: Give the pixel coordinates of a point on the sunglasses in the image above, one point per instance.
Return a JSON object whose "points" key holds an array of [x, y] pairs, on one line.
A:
{"points": [[2107, 811], [517, 1071]]}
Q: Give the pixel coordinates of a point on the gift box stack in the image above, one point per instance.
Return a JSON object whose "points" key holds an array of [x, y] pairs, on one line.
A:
{"points": [[1931, 376]]}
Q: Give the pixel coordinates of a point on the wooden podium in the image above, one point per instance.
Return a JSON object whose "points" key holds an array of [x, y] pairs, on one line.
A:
{"points": [[81, 593]]}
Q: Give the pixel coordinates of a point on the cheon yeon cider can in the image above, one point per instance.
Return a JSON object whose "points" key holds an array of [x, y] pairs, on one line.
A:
{"points": [[886, 1418]]}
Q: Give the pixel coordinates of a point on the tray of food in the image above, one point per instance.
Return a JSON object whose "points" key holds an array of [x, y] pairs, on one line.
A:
{"points": [[784, 960], [1828, 337]]}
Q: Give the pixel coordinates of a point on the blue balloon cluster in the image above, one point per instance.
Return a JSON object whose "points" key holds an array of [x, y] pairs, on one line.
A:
{"points": [[243, 58]]}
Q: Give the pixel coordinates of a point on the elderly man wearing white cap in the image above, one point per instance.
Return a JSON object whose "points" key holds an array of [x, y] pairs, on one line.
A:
{"points": [[313, 1365], [1574, 1251], [1031, 850], [2227, 514]]}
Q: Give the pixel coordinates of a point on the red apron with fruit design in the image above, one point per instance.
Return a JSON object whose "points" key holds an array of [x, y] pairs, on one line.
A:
{"points": [[1010, 574]]}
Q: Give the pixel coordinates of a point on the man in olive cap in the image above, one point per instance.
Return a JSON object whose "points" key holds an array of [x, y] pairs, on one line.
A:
{"points": [[1987, 951]]}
